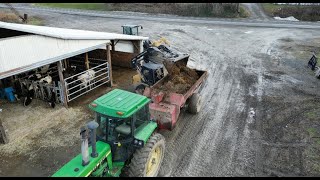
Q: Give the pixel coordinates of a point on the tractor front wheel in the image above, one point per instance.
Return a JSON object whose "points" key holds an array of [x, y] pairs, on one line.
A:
{"points": [[146, 161]]}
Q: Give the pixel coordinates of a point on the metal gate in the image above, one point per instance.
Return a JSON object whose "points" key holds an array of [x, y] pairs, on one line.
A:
{"points": [[76, 87]]}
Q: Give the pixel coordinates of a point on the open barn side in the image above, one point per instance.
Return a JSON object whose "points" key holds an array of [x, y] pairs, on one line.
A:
{"points": [[55, 67]]}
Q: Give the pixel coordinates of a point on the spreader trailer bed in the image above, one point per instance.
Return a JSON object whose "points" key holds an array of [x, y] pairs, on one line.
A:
{"points": [[166, 104]]}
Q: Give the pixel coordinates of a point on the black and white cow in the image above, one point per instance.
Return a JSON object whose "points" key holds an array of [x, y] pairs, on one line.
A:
{"points": [[51, 99], [86, 78]]}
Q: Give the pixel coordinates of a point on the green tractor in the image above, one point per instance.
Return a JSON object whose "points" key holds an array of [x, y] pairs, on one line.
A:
{"points": [[122, 140], [131, 29]]}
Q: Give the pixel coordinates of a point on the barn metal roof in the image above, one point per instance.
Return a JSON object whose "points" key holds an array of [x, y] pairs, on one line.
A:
{"points": [[63, 33], [45, 45], [22, 53]]}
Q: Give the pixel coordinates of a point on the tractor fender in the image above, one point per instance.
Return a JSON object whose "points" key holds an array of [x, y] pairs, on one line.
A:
{"points": [[144, 132]]}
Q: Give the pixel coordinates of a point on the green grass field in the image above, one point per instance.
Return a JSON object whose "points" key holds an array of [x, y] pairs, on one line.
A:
{"points": [[12, 18], [244, 13], [270, 8], [142, 8], [87, 6], [302, 13], [35, 21]]}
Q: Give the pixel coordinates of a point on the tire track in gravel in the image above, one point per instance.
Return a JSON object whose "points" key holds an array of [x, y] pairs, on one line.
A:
{"points": [[224, 131], [225, 141], [191, 127], [204, 143], [198, 157], [244, 156]]}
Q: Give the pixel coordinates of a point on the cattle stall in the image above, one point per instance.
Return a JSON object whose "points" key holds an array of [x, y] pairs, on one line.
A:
{"points": [[80, 74], [43, 90]]}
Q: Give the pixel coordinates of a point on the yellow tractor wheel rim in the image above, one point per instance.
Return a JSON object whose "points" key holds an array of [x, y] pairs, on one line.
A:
{"points": [[154, 161]]}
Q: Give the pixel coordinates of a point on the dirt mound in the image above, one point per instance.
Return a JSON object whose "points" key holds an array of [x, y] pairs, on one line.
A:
{"points": [[180, 78]]}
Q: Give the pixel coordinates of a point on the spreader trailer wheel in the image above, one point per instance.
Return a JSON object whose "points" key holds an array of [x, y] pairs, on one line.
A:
{"points": [[195, 103]]}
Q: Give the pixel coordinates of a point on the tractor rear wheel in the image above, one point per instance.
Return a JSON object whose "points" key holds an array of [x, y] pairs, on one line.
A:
{"points": [[195, 103], [146, 161]]}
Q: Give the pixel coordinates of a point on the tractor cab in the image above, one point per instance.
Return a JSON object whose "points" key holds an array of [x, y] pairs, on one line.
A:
{"points": [[131, 29], [121, 115]]}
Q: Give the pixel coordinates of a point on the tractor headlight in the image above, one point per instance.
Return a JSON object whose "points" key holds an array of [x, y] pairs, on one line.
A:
{"points": [[138, 142], [135, 142]]}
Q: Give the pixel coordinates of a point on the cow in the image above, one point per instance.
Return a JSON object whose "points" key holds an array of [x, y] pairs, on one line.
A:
{"points": [[30, 94], [43, 69], [86, 78], [50, 99], [47, 79]]}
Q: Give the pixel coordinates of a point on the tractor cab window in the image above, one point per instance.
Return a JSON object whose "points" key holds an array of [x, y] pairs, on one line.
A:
{"points": [[134, 31], [126, 30], [113, 129], [142, 116]]}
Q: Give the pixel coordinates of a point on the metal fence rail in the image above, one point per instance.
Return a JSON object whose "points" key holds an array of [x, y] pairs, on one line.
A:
{"points": [[76, 87]]}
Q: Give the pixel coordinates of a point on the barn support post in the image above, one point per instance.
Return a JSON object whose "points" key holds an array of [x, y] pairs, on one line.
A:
{"points": [[140, 45], [109, 64], [86, 60], [65, 64], [64, 89], [3, 135], [113, 46]]}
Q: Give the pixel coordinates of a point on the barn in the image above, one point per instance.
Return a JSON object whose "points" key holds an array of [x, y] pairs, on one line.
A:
{"points": [[64, 63]]}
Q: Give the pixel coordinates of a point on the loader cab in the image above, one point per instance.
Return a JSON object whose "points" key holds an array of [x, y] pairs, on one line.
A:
{"points": [[121, 115], [131, 29], [152, 73]]}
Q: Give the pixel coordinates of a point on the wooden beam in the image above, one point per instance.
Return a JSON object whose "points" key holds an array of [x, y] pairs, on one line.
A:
{"points": [[64, 89], [136, 47], [109, 63], [86, 61]]}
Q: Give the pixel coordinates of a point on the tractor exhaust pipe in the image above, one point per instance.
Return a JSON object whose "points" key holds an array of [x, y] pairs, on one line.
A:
{"points": [[92, 125], [84, 146]]}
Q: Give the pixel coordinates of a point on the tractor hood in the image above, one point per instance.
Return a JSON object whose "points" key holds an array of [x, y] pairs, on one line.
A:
{"points": [[74, 167], [119, 103]]}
